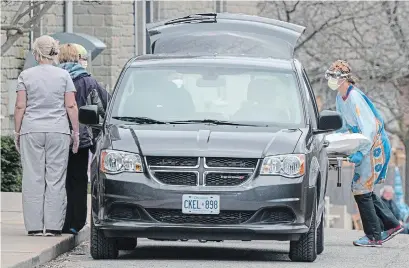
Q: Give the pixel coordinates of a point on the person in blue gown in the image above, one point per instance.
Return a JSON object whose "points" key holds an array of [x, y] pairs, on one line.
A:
{"points": [[371, 162]]}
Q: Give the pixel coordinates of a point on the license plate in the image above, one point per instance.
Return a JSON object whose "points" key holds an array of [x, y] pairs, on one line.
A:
{"points": [[200, 204]]}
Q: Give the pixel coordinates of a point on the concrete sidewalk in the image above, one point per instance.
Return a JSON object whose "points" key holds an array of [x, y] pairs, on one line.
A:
{"points": [[19, 250]]}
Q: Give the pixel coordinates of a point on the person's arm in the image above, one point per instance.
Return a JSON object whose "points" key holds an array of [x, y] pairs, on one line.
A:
{"points": [[71, 104], [20, 105], [104, 95], [364, 118], [93, 99]]}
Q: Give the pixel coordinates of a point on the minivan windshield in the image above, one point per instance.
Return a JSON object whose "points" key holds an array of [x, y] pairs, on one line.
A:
{"points": [[194, 94]]}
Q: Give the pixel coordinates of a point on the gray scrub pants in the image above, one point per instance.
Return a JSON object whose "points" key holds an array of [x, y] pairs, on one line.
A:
{"points": [[44, 158]]}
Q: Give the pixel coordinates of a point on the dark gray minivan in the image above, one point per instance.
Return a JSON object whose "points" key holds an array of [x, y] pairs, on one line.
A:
{"points": [[214, 135]]}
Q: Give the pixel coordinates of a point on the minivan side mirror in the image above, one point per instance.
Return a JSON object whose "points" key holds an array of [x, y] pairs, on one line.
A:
{"points": [[328, 121], [88, 115]]}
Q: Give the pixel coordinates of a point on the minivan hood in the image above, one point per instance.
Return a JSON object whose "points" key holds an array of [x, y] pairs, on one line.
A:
{"points": [[205, 142]]}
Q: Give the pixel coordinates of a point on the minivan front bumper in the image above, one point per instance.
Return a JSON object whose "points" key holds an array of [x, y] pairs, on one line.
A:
{"points": [[134, 205]]}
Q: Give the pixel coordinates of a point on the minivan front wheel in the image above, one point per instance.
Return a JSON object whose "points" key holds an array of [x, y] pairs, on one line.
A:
{"points": [[305, 249], [102, 247]]}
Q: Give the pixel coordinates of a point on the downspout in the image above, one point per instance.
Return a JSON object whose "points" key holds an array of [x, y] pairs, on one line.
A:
{"points": [[68, 16], [135, 27], [143, 28], [140, 27], [31, 31]]}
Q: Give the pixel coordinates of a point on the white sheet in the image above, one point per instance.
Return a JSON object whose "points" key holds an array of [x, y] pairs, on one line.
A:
{"points": [[346, 143]]}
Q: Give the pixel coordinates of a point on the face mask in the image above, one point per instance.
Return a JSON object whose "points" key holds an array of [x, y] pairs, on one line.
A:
{"points": [[84, 63], [333, 83]]}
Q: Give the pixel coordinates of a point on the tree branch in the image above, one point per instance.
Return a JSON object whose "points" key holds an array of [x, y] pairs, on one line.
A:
{"points": [[19, 11], [27, 11], [395, 27], [19, 29], [27, 26]]}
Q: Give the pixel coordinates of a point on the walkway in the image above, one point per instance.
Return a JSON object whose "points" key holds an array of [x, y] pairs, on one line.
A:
{"points": [[20, 250]]}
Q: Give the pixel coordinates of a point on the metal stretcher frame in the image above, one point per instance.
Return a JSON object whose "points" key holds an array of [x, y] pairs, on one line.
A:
{"points": [[335, 163]]}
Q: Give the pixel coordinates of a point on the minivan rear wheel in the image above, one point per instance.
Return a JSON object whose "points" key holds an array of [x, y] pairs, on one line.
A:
{"points": [[305, 249], [102, 247]]}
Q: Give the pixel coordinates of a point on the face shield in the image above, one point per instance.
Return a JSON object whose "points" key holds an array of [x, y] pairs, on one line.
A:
{"points": [[335, 78]]}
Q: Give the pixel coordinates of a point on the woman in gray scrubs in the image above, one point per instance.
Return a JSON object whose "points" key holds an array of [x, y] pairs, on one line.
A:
{"points": [[45, 95]]}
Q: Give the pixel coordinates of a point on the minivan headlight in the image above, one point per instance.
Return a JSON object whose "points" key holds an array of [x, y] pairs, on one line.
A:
{"points": [[291, 165], [114, 162]]}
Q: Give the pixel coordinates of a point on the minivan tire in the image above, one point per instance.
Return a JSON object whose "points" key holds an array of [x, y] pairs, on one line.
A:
{"points": [[305, 249], [320, 236], [102, 247]]}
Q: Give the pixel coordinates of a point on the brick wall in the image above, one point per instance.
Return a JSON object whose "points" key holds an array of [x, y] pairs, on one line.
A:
{"points": [[170, 9], [53, 21], [11, 65], [96, 20]]}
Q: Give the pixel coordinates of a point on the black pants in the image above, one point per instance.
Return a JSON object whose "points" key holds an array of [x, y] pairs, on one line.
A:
{"points": [[76, 186], [369, 218], [386, 218], [375, 215]]}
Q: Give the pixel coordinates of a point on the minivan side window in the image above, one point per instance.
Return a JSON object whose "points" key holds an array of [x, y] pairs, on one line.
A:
{"points": [[312, 105]]}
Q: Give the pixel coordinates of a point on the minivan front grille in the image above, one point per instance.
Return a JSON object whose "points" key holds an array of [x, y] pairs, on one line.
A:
{"points": [[201, 171], [176, 216], [224, 162], [176, 178], [226, 179], [172, 161]]}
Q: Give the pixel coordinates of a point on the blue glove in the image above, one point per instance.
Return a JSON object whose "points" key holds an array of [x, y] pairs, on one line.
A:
{"points": [[356, 157]]}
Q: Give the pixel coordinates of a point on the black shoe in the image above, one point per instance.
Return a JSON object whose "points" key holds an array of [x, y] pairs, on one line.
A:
{"points": [[35, 233], [52, 233]]}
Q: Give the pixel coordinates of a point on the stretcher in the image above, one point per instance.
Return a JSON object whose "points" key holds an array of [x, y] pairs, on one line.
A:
{"points": [[340, 146], [335, 163]]}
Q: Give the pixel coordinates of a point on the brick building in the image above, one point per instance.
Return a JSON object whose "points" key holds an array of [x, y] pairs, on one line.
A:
{"points": [[113, 22]]}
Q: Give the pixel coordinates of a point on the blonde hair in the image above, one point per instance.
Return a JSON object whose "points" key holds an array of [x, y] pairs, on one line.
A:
{"points": [[68, 53], [45, 47]]}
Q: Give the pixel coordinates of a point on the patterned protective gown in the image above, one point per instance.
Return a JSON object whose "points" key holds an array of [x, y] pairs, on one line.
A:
{"points": [[360, 116]]}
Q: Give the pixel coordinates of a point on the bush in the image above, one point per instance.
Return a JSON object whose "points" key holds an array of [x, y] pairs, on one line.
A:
{"points": [[11, 171]]}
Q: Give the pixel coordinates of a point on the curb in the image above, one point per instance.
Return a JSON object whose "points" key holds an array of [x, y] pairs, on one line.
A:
{"points": [[67, 244]]}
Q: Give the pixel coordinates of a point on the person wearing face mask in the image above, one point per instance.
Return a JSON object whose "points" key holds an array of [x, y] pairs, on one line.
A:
{"points": [[102, 93], [44, 110], [77, 171], [82, 55], [371, 163]]}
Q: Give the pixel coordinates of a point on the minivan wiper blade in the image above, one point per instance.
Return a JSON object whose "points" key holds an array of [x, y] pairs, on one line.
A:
{"points": [[204, 17], [210, 121], [140, 120]]}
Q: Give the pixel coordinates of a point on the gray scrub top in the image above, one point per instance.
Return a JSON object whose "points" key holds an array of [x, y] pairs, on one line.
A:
{"points": [[45, 86]]}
